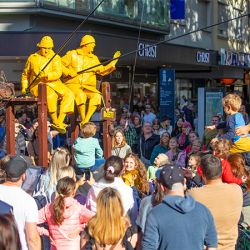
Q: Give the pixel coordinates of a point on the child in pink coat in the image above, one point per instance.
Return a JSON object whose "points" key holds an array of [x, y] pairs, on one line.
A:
{"points": [[65, 216]]}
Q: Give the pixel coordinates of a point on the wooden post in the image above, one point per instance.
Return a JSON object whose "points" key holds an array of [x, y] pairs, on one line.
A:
{"points": [[74, 132], [10, 130], [42, 127], [107, 140]]}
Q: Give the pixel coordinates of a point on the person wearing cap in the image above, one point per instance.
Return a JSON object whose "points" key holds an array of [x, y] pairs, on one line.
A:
{"points": [[24, 207], [224, 200], [84, 85], [51, 76], [178, 222]]}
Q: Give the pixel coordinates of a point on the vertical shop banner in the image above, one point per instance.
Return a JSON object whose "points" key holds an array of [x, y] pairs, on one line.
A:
{"points": [[177, 9], [167, 93]]}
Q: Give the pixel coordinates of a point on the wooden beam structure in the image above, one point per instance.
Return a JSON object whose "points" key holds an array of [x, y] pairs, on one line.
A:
{"points": [[107, 140], [42, 120]]}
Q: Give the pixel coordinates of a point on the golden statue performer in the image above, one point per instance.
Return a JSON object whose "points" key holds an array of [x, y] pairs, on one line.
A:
{"points": [[56, 90], [84, 85]]}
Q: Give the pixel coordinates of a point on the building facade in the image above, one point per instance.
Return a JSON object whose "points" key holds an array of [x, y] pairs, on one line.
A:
{"points": [[200, 59]]}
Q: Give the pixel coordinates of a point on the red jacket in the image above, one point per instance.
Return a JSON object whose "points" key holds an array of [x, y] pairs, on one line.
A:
{"points": [[227, 174]]}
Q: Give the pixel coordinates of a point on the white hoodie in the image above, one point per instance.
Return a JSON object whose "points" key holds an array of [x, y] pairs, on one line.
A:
{"points": [[125, 191]]}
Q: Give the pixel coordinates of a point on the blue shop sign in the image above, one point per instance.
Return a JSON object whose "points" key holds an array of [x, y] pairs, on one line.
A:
{"points": [[230, 58], [167, 93]]}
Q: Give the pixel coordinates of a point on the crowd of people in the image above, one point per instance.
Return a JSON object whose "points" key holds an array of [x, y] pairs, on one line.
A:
{"points": [[163, 187]]}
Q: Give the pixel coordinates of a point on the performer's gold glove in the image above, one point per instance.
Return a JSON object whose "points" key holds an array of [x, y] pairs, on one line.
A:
{"points": [[117, 54]]}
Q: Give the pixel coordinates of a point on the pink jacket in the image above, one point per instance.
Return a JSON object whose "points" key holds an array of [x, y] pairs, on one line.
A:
{"points": [[65, 236]]}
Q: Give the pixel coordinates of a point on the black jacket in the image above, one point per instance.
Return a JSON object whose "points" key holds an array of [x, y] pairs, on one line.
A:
{"points": [[145, 148]]}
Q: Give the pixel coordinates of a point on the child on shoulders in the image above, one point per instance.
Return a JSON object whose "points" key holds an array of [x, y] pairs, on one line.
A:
{"points": [[88, 153], [232, 103]]}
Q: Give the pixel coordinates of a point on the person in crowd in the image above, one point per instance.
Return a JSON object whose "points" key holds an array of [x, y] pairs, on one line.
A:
{"points": [[231, 104], [160, 160], [65, 216], [148, 115], [33, 74], [147, 141], [84, 85], [69, 171], [177, 127], [88, 153], [178, 222], [193, 179], [9, 237], [125, 112], [150, 201], [32, 129], [183, 136], [137, 124], [175, 155], [129, 131], [223, 200], [33, 145], [162, 147], [138, 128], [221, 150], [238, 165], [20, 144], [188, 111], [112, 178], [156, 126], [193, 136], [134, 174], [244, 113], [48, 180], [24, 207], [195, 147], [166, 125], [183, 102], [120, 147], [109, 228]]}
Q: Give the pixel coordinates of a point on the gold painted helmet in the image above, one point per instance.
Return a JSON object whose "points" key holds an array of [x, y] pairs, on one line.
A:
{"points": [[87, 39], [46, 42]]}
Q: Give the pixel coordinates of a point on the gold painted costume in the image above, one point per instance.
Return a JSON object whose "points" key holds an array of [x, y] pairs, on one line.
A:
{"points": [[51, 76], [84, 85]]}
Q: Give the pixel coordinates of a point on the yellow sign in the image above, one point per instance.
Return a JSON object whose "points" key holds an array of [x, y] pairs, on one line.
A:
{"points": [[108, 114]]}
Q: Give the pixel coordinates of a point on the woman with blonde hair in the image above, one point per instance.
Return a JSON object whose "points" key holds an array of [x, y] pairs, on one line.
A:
{"points": [[119, 145], [48, 180], [109, 228]]}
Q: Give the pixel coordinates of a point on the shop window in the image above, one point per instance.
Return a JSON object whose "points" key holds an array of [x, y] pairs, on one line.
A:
{"points": [[183, 87]]}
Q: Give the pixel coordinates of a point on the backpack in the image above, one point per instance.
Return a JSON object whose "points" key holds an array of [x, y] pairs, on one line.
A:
{"points": [[33, 175], [31, 186], [40, 198]]}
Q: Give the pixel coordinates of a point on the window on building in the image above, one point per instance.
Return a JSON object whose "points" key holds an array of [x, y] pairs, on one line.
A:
{"points": [[223, 15]]}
